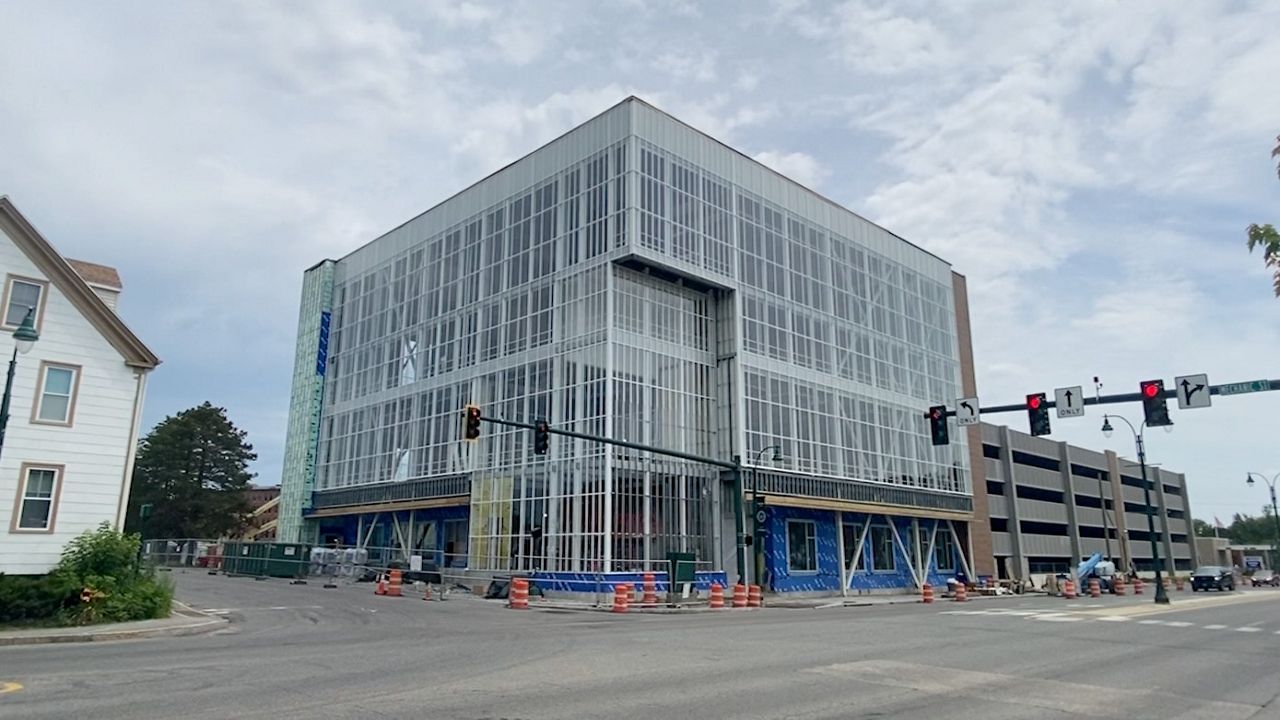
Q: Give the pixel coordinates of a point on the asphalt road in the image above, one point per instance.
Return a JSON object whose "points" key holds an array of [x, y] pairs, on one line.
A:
{"points": [[306, 652]]}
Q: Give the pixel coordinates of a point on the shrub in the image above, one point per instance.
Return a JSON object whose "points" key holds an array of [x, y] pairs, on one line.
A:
{"points": [[103, 554], [25, 598], [102, 561]]}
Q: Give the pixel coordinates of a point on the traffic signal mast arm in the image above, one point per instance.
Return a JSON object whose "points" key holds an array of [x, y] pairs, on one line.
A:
{"points": [[620, 443], [1169, 394]]}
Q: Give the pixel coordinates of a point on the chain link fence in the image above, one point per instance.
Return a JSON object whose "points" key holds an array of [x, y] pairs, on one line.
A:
{"points": [[347, 565]]}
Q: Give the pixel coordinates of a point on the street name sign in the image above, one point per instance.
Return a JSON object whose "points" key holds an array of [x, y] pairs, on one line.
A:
{"points": [[1069, 401], [1244, 387]]}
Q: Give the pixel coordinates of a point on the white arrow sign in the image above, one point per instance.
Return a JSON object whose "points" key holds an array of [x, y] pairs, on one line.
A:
{"points": [[1069, 401], [967, 411], [1193, 391]]}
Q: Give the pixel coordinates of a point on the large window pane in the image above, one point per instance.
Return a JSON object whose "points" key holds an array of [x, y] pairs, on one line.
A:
{"points": [[802, 551], [882, 557]]}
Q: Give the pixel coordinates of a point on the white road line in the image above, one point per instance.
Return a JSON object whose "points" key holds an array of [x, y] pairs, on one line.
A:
{"points": [[1150, 622], [1113, 618], [1248, 629], [1215, 627], [1178, 624]]}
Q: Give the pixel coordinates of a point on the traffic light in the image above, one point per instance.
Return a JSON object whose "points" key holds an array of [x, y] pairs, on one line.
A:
{"points": [[938, 425], [1154, 408], [541, 437], [1038, 414], [471, 423]]}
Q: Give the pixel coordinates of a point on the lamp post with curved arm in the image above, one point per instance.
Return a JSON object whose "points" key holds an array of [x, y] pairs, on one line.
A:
{"points": [[1161, 597], [1275, 515], [757, 537]]}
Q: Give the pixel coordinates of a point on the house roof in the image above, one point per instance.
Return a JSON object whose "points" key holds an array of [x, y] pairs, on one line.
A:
{"points": [[75, 287], [96, 274]]}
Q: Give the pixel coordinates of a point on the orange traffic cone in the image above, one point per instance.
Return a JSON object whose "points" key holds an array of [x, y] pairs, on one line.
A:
{"points": [[426, 594], [381, 587]]}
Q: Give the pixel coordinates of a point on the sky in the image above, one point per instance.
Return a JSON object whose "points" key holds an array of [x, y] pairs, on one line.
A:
{"points": [[1090, 167]]}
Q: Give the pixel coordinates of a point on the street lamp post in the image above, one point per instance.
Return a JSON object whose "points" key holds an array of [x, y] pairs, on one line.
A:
{"points": [[1161, 598], [757, 537], [23, 338], [1275, 514]]}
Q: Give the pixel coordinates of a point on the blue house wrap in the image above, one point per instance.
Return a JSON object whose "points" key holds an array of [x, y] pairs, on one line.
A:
{"points": [[347, 528], [784, 577]]}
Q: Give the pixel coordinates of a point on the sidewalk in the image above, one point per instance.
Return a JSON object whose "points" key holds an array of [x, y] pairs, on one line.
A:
{"points": [[184, 621]]}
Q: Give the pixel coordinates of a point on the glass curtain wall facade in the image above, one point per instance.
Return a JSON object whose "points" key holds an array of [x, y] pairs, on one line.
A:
{"points": [[633, 279]]}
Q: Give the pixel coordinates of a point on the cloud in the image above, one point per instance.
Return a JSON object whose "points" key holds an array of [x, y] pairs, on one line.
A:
{"points": [[1090, 166], [803, 168], [699, 66]]}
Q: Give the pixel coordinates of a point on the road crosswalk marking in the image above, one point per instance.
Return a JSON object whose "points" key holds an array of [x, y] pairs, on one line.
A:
{"points": [[1078, 616]]}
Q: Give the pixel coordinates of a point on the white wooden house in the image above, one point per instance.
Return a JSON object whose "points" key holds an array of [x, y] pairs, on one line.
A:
{"points": [[68, 450]]}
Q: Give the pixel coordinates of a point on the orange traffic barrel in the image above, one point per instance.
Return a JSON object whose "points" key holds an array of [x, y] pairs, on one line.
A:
{"points": [[621, 597], [926, 593], [1069, 590], [962, 593], [755, 597], [717, 597], [650, 591], [739, 595], [518, 596], [1095, 590], [397, 582], [1137, 586]]}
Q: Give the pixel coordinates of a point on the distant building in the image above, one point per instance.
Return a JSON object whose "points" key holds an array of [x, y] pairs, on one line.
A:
{"points": [[1050, 504], [68, 452], [264, 503], [1214, 551]]}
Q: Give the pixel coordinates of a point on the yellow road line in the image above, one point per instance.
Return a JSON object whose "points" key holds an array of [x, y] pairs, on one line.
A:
{"points": [[8, 687], [1179, 605]]}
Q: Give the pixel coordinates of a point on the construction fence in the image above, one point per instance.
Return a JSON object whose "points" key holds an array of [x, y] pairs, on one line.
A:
{"points": [[348, 565]]}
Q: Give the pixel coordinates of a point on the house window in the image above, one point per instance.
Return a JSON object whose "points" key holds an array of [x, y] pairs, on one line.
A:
{"points": [[20, 295], [882, 557], [802, 546], [944, 550], [38, 498], [55, 403]]}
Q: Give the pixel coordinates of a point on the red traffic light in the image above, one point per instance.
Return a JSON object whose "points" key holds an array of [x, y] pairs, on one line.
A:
{"points": [[935, 413], [1151, 389], [1033, 402]]}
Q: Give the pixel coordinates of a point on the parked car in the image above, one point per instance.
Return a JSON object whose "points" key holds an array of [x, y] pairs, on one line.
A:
{"points": [[1213, 577], [1265, 577]]}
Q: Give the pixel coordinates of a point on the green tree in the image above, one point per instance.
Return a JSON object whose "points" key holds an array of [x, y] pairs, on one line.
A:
{"points": [[1201, 528], [1266, 237], [193, 469], [1250, 530]]}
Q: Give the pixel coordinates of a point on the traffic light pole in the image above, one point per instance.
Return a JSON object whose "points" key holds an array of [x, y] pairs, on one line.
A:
{"points": [[1162, 598], [740, 546]]}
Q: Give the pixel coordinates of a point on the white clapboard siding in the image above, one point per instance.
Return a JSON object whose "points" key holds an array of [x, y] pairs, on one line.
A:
{"points": [[95, 450]]}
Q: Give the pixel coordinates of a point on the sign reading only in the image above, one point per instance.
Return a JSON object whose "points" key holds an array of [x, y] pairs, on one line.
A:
{"points": [[1244, 387]]}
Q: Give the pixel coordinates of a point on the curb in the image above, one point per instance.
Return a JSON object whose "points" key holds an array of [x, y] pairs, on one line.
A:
{"points": [[203, 623]]}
